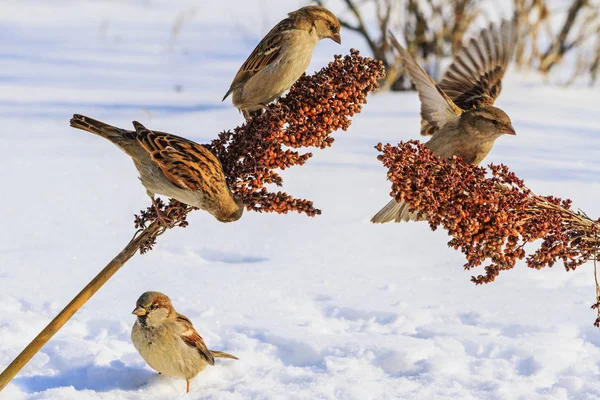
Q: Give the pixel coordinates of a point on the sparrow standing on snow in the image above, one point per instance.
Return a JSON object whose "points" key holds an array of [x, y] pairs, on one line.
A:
{"points": [[172, 166], [167, 341], [281, 58], [459, 112]]}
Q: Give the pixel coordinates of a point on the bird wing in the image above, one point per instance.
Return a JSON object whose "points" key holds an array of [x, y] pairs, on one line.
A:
{"points": [[264, 54], [474, 79], [186, 164], [193, 339], [436, 107]]}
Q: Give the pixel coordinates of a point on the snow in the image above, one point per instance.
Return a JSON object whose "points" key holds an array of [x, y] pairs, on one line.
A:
{"points": [[315, 308]]}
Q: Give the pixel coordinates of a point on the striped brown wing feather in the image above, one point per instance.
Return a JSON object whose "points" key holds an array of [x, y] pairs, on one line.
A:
{"points": [[193, 339], [436, 107], [186, 164]]}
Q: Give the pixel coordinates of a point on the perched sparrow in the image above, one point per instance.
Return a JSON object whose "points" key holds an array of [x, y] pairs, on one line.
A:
{"points": [[172, 166], [459, 112], [167, 341], [281, 58]]}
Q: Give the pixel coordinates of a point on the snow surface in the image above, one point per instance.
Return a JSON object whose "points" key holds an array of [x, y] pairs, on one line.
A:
{"points": [[326, 307]]}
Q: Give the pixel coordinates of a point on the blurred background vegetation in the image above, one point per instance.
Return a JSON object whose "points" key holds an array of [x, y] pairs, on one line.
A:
{"points": [[552, 33]]}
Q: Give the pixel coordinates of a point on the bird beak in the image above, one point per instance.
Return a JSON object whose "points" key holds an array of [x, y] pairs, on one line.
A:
{"points": [[336, 37], [139, 311], [509, 130]]}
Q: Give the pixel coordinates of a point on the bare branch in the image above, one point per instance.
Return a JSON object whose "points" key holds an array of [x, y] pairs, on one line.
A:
{"points": [[558, 48]]}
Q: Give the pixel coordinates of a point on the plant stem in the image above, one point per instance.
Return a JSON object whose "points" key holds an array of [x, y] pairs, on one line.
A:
{"points": [[86, 293]]}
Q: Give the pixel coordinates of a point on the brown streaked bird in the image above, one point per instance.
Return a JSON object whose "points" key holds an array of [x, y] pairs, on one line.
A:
{"points": [[459, 112], [172, 166], [281, 58], [168, 341]]}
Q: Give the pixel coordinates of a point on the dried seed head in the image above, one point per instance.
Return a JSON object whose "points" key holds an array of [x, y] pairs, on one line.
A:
{"points": [[315, 106], [490, 218]]}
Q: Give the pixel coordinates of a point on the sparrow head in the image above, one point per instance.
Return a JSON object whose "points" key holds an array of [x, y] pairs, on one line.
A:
{"points": [[240, 205], [488, 122], [232, 213], [324, 23], [153, 309]]}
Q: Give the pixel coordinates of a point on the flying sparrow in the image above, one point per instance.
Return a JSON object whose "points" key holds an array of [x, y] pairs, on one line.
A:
{"points": [[281, 58], [167, 340], [172, 166], [459, 112]]}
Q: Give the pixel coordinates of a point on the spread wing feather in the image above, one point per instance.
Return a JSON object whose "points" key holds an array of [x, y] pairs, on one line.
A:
{"points": [[436, 107]]}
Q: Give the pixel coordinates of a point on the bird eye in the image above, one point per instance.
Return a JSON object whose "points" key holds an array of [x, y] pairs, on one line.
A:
{"points": [[154, 306], [495, 122]]}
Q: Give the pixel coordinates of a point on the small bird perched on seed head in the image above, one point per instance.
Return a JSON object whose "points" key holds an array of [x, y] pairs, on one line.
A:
{"points": [[167, 341], [459, 112], [172, 166], [281, 58]]}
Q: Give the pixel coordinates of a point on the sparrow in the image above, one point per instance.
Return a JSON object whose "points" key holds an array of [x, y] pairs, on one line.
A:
{"points": [[168, 341], [172, 166], [281, 58], [459, 112]]}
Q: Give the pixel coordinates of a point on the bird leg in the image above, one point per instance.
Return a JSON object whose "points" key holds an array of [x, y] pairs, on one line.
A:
{"points": [[187, 390], [251, 115], [266, 107]]}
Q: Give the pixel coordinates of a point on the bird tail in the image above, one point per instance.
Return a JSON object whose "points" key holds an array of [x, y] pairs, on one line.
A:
{"points": [[221, 354], [121, 137], [93, 126], [394, 211], [231, 89]]}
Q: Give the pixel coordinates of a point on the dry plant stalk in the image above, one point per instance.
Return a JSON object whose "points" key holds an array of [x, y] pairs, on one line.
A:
{"points": [[78, 301], [378, 40], [432, 26], [432, 29], [490, 218], [315, 107], [578, 34], [532, 16]]}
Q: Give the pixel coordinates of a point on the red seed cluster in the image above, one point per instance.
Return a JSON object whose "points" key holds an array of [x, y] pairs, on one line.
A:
{"points": [[173, 214], [491, 217], [315, 106]]}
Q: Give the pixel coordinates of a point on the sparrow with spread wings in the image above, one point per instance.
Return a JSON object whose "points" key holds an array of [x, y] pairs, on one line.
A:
{"points": [[458, 112]]}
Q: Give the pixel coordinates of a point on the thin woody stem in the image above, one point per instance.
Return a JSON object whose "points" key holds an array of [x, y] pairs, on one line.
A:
{"points": [[596, 278], [86, 293]]}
